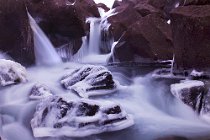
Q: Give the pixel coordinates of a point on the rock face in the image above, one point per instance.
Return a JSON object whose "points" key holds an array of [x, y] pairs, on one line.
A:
{"points": [[149, 38], [89, 80], [11, 73], [63, 21], [16, 35], [120, 21], [40, 91], [191, 92], [56, 116], [191, 29]]}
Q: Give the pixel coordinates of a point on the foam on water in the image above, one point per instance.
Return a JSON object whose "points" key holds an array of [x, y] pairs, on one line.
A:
{"points": [[156, 112]]}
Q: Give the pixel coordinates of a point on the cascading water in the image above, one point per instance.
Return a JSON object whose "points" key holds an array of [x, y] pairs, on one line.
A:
{"points": [[45, 52], [156, 112]]}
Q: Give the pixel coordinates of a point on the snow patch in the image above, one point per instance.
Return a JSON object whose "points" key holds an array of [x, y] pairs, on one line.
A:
{"points": [[11, 72]]}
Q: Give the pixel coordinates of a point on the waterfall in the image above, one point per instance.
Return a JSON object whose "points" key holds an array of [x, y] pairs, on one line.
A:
{"points": [[45, 52], [94, 36]]}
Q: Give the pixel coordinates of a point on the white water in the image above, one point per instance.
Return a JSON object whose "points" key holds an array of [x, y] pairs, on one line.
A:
{"points": [[45, 52], [156, 112]]}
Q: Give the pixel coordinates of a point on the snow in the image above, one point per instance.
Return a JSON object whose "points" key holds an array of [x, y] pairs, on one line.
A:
{"points": [[196, 73], [90, 80], [13, 70], [76, 123], [185, 84]]}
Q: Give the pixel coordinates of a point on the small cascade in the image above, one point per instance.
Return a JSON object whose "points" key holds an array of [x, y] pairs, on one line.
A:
{"points": [[97, 45], [45, 52]]}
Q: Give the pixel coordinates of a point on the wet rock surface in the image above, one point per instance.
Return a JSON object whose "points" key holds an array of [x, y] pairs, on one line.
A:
{"points": [[77, 118], [90, 80], [40, 91], [11, 73], [191, 92], [16, 38]]}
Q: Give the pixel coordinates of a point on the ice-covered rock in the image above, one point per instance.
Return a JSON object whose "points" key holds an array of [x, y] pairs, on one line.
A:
{"points": [[190, 92], [40, 91], [11, 73], [56, 116], [88, 80]]}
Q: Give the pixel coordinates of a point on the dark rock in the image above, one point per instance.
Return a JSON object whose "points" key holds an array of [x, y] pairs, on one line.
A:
{"points": [[63, 21], [16, 37], [77, 118], [116, 4], [86, 81], [149, 38], [120, 21], [145, 9], [40, 91], [11, 73], [172, 138], [205, 111], [193, 31], [191, 92]]}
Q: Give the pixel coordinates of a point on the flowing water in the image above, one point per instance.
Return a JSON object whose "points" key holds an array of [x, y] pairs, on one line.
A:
{"points": [[156, 112], [44, 50]]}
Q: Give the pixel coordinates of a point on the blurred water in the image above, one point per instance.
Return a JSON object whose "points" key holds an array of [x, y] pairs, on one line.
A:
{"points": [[156, 112], [45, 52]]}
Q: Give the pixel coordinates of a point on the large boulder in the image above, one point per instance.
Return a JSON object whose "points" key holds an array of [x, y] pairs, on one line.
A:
{"points": [[120, 21], [149, 38], [57, 116], [11, 73], [63, 21], [16, 38], [89, 80], [191, 92], [191, 29]]}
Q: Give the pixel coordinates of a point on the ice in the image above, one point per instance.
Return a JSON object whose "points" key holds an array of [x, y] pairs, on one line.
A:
{"points": [[56, 116], [90, 80], [40, 91], [11, 72], [190, 92]]}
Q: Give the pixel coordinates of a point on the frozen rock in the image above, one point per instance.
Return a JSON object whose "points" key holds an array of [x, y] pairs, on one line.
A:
{"points": [[88, 80], [56, 116], [11, 73], [190, 92], [40, 91]]}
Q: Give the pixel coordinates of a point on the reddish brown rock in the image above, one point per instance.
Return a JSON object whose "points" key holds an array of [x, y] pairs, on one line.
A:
{"points": [[149, 38], [191, 36], [120, 22], [145, 9], [16, 35]]}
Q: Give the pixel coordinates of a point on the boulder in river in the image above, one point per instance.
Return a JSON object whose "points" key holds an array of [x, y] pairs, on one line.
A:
{"points": [[56, 116], [191, 92], [90, 80], [40, 91], [11, 73]]}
